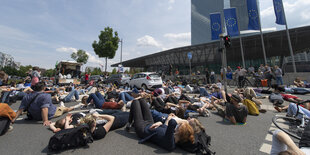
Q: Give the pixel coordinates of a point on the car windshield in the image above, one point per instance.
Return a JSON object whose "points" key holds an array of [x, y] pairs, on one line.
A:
{"points": [[154, 76]]}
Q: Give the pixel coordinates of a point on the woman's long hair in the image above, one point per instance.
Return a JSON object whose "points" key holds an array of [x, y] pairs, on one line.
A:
{"points": [[185, 133]]}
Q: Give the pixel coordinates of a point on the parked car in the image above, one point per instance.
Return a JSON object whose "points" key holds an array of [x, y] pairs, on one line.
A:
{"points": [[95, 77], [118, 79], [146, 80]]}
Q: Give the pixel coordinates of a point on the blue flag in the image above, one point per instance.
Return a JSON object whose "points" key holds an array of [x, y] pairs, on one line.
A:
{"points": [[253, 15], [216, 25], [231, 22], [279, 11]]}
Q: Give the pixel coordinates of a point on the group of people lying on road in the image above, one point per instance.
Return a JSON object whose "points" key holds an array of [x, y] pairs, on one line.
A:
{"points": [[164, 116]]}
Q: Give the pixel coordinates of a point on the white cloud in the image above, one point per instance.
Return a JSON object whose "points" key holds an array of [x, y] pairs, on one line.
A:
{"points": [[170, 8], [171, 1], [147, 41], [178, 36], [91, 58], [66, 49], [296, 12]]}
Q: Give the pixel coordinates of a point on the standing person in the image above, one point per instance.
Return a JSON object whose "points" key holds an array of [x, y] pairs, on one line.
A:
{"points": [[251, 70], [268, 74], [261, 68], [222, 72], [208, 76], [86, 78], [241, 72], [212, 77], [35, 75], [278, 74]]}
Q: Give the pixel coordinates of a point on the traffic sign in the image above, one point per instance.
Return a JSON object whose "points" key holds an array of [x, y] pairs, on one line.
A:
{"points": [[189, 55]]}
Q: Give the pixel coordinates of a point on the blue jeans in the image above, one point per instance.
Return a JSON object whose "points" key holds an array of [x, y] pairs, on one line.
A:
{"points": [[279, 81], [203, 92], [135, 90], [158, 116], [301, 90], [70, 95], [89, 88], [292, 109], [125, 97], [97, 98]]}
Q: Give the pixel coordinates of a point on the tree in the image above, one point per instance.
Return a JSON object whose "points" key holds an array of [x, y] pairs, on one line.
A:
{"points": [[114, 71], [49, 72], [107, 45], [80, 56], [96, 71]]}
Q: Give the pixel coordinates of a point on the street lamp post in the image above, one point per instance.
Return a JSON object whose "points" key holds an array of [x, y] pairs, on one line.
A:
{"points": [[121, 50]]}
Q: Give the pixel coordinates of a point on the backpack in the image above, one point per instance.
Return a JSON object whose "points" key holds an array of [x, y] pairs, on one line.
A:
{"points": [[252, 109], [70, 138], [4, 125], [200, 146], [203, 142]]}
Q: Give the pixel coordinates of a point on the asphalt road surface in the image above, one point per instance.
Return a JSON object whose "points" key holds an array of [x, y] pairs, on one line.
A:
{"points": [[30, 138]]}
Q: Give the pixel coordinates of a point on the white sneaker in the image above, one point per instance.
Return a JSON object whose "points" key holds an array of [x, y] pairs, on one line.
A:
{"points": [[80, 105], [123, 108], [62, 104], [93, 111], [10, 128]]}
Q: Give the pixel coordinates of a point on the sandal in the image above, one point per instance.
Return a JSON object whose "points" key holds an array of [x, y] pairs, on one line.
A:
{"points": [[278, 109]]}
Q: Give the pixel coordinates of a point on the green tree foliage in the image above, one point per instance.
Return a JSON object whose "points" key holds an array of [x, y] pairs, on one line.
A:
{"points": [[24, 69], [22, 72], [49, 73], [114, 71], [107, 45], [126, 71], [96, 71], [80, 56]]}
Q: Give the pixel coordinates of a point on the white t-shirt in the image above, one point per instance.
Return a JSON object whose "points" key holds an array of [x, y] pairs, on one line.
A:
{"points": [[278, 146]]}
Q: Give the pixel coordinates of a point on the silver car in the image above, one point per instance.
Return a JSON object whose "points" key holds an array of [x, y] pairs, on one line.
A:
{"points": [[118, 79], [146, 80]]}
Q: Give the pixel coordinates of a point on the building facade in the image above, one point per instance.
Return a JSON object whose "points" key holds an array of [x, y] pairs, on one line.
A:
{"points": [[200, 17]]}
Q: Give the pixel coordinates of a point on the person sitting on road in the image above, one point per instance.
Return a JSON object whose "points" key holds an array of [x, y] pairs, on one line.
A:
{"points": [[40, 105], [299, 83], [236, 112]]}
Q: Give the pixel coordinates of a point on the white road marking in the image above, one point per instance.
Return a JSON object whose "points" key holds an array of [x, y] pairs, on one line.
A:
{"points": [[266, 148]]}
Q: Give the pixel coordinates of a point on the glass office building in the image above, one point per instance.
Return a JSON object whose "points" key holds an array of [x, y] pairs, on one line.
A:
{"points": [[200, 17]]}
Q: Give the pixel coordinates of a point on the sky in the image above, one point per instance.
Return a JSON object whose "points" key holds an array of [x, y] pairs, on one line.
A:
{"points": [[41, 32]]}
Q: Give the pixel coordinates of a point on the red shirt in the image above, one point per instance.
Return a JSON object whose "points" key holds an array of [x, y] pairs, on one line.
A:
{"points": [[86, 77]]}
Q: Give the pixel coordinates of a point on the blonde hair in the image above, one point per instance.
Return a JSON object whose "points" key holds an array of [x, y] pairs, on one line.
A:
{"points": [[196, 125], [89, 120]]}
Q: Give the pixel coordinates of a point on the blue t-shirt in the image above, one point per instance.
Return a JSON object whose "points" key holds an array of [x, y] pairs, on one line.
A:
{"points": [[43, 100]]}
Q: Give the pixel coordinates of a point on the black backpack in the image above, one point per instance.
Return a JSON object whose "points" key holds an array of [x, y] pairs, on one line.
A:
{"points": [[4, 125], [200, 146], [203, 142], [70, 138]]}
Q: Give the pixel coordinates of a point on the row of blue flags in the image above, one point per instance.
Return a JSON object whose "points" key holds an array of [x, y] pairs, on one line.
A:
{"points": [[231, 21]]}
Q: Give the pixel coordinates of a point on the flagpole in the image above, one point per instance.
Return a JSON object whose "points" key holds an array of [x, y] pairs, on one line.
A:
{"points": [[261, 32], [240, 39], [289, 41]]}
